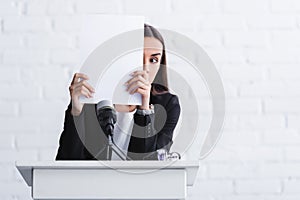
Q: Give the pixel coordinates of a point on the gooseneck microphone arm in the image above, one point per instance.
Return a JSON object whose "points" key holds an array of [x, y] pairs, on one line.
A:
{"points": [[107, 118]]}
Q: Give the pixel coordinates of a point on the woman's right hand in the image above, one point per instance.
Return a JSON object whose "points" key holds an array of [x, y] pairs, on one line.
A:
{"points": [[78, 87]]}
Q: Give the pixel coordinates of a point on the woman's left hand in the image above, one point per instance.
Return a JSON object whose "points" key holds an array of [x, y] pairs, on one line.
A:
{"points": [[139, 83]]}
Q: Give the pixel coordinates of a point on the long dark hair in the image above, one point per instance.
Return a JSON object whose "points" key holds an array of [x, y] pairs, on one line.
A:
{"points": [[160, 82]]}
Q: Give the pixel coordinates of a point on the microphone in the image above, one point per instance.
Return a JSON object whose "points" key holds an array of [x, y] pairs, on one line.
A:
{"points": [[106, 116]]}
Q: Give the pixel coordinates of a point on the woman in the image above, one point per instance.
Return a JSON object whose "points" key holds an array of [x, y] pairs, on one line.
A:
{"points": [[148, 134]]}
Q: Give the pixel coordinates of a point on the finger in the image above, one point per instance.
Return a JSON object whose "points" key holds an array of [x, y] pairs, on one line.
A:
{"points": [[140, 90], [71, 88], [143, 73], [137, 84], [80, 86], [137, 78], [82, 91], [88, 86], [140, 72], [85, 84], [78, 76]]}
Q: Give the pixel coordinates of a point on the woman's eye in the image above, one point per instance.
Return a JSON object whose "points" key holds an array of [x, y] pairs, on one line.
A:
{"points": [[153, 60]]}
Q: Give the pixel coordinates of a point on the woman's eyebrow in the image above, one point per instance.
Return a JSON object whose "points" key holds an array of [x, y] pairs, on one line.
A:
{"points": [[155, 54]]}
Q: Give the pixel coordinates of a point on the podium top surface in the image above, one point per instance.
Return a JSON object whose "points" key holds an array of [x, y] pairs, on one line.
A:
{"points": [[144, 164], [26, 167]]}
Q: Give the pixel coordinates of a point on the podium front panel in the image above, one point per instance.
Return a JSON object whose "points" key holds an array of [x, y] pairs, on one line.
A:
{"points": [[108, 184]]}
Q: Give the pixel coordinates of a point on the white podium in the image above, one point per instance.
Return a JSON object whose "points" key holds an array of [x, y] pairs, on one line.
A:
{"points": [[86, 180]]}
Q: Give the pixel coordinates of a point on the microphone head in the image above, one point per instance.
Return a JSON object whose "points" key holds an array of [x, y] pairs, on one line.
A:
{"points": [[105, 103], [106, 115]]}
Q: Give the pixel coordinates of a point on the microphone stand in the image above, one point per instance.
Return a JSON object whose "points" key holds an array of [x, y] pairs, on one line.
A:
{"points": [[106, 116], [112, 147], [108, 128]]}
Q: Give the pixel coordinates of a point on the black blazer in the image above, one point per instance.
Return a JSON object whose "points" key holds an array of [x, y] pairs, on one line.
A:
{"points": [[149, 132]]}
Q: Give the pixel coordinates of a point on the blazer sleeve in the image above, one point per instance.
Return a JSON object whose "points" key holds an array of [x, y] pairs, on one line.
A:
{"points": [[70, 145], [145, 140], [165, 135]]}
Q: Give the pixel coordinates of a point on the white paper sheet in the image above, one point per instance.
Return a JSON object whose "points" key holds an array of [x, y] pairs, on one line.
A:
{"points": [[108, 79]]}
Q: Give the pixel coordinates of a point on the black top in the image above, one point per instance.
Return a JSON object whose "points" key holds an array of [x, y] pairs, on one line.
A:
{"points": [[149, 132]]}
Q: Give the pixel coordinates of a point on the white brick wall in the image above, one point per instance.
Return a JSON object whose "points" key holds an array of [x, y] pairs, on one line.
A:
{"points": [[254, 43]]}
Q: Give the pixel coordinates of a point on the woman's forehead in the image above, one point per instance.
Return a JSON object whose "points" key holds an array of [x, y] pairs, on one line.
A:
{"points": [[152, 44]]}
